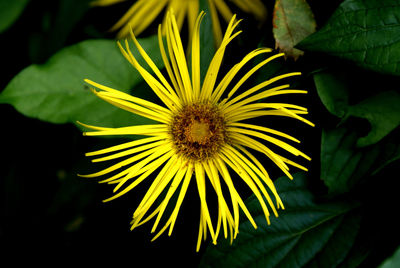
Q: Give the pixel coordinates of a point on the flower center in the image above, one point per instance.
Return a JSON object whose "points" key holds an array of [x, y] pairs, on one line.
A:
{"points": [[198, 131]]}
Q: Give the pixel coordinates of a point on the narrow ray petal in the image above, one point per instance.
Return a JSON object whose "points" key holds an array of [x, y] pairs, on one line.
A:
{"points": [[196, 56], [264, 129], [165, 172], [152, 65], [258, 87], [223, 8], [240, 160], [138, 5], [215, 64], [258, 113], [135, 16], [129, 152], [252, 71], [151, 162], [258, 146], [270, 139], [264, 174], [138, 180], [235, 164], [171, 190], [155, 85], [126, 145], [236, 199], [179, 53], [150, 130], [201, 186], [220, 89], [121, 164]]}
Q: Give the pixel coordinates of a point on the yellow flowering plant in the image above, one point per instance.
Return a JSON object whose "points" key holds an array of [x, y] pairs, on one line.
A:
{"points": [[199, 125], [202, 132], [144, 12]]}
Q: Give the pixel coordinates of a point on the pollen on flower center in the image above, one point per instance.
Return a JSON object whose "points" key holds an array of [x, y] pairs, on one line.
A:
{"points": [[198, 131]]}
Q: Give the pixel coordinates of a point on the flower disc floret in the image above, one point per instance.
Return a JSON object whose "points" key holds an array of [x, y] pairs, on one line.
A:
{"points": [[198, 131]]}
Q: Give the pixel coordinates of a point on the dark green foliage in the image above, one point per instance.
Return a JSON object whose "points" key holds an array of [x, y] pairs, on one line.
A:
{"points": [[10, 11], [306, 233], [40, 90], [342, 213], [363, 31]]}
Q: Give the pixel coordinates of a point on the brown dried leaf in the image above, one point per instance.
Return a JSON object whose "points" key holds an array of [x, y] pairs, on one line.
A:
{"points": [[293, 21]]}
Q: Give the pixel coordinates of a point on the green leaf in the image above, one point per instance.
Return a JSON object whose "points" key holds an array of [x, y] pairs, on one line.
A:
{"points": [[381, 110], [333, 92], [341, 243], [55, 91], [393, 261], [366, 32], [383, 113], [10, 12], [293, 21], [304, 234], [390, 152], [344, 164]]}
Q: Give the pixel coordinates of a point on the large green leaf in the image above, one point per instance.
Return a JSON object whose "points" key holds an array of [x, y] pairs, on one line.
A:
{"points": [[55, 91], [293, 21], [381, 110], [383, 113], [393, 261], [343, 164], [347, 156], [366, 32], [10, 11], [304, 234], [333, 92]]}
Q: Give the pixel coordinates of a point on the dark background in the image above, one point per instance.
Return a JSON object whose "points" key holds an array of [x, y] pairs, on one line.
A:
{"points": [[47, 211]]}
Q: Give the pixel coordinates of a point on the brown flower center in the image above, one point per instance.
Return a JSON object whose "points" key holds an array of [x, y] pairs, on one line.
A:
{"points": [[198, 131]]}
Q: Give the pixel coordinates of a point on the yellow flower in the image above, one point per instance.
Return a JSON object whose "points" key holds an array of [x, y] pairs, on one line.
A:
{"points": [[200, 134], [144, 12]]}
